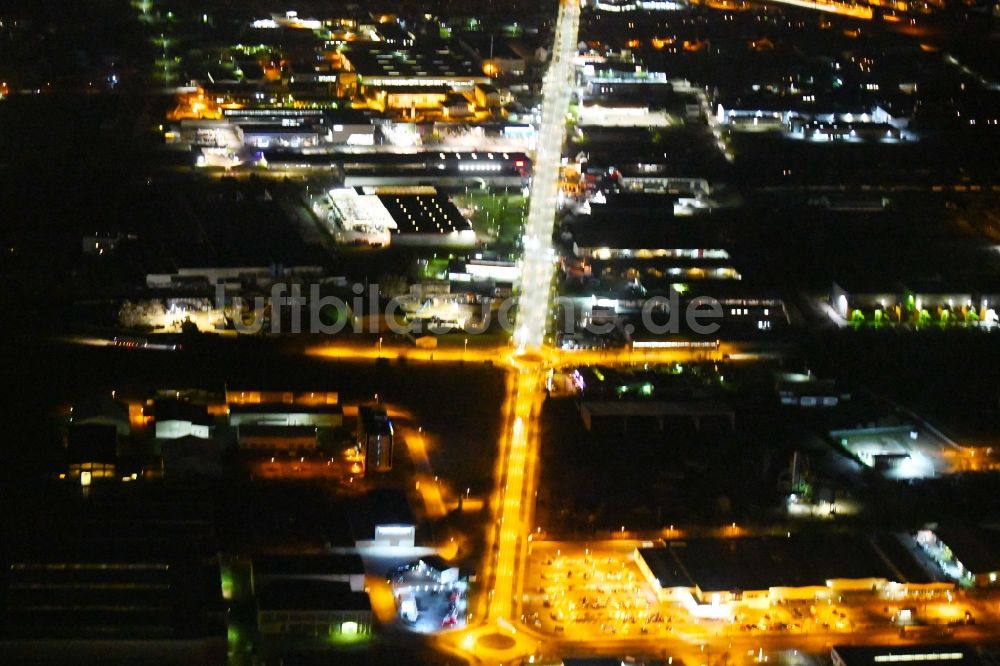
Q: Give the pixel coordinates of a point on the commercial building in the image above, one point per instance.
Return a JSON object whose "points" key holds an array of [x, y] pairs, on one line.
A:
{"points": [[827, 120], [639, 226], [405, 215], [426, 219], [627, 6], [622, 78], [712, 576], [620, 113], [951, 654], [375, 438], [478, 270]]}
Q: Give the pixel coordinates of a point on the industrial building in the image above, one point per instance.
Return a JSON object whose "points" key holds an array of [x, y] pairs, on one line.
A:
{"points": [[334, 568], [114, 584], [355, 219], [382, 519], [375, 438], [617, 415], [102, 410], [314, 608], [376, 65], [805, 390], [286, 415], [897, 451], [180, 418], [422, 169], [969, 555], [236, 396], [297, 439], [380, 216]]}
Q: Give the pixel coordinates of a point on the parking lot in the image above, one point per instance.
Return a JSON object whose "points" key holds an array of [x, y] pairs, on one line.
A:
{"points": [[586, 591], [580, 590]]}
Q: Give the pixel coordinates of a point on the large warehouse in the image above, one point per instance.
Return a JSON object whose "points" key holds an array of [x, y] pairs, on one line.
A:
{"points": [[712, 575]]}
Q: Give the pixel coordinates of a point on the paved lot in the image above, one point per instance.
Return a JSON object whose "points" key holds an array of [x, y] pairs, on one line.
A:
{"points": [[586, 591]]}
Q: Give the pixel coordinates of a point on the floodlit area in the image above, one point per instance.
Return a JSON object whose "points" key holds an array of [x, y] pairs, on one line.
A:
{"points": [[173, 315], [582, 591], [577, 591], [911, 452], [429, 598]]}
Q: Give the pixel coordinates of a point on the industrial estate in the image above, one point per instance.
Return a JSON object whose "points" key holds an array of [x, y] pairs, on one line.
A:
{"points": [[567, 332]]}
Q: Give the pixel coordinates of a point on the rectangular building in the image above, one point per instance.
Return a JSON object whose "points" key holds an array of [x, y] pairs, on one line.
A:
{"points": [[286, 414], [313, 608], [375, 438], [277, 438], [952, 654], [337, 568]]}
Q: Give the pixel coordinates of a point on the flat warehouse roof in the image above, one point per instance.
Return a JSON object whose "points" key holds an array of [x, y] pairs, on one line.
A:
{"points": [[424, 214], [760, 563], [954, 654], [308, 565], [312, 595], [283, 408], [374, 60]]}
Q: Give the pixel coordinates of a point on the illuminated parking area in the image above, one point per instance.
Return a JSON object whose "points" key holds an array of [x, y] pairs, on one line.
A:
{"points": [[577, 591]]}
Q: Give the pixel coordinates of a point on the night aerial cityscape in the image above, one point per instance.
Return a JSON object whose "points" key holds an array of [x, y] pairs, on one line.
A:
{"points": [[556, 332]]}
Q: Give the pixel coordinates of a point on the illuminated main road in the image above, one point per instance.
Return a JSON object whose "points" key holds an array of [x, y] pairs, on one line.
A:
{"points": [[516, 496], [536, 269], [497, 639]]}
